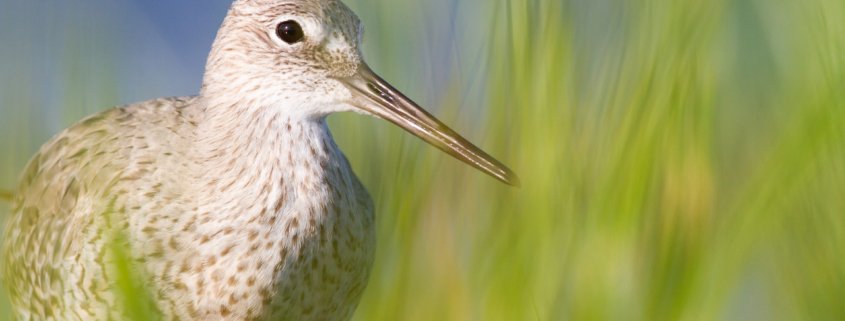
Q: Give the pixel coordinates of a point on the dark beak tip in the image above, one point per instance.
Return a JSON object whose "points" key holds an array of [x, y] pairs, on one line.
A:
{"points": [[512, 179], [505, 175]]}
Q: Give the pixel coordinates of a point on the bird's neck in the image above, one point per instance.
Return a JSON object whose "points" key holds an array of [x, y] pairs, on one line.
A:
{"points": [[256, 157]]}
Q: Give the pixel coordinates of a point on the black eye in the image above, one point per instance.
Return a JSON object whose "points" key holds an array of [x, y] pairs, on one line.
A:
{"points": [[290, 32]]}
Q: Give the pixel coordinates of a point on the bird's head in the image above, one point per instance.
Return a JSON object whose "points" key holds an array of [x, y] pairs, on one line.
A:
{"points": [[302, 58]]}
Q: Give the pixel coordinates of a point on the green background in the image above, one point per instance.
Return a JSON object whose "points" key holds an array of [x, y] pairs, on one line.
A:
{"points": [[680, 160]]}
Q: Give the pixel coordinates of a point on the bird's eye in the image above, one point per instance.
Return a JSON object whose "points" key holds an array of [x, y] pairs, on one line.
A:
{"points": [[290, 31]]}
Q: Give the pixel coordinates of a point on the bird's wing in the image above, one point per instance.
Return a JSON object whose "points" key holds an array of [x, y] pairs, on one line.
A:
{"points": [[53, 245], [59, 191]]}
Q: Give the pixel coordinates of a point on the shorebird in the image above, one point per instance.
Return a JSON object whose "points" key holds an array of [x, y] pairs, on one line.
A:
{"points": [[235, 204]]}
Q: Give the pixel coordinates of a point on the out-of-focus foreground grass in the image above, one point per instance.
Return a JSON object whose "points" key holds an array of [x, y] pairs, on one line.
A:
{"points": [[679, 159]]}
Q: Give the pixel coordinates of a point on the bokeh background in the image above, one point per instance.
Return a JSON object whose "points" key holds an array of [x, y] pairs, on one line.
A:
{"points": [[681, 160]]}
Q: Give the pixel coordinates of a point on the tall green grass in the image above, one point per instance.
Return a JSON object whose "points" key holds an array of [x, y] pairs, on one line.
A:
{"points": [[681, 160]]}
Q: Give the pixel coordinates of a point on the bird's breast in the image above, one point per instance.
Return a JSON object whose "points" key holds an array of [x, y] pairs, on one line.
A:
{"points": [[290, 238], [327, 245]]}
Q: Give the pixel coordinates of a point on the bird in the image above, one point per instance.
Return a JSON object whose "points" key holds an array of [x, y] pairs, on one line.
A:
{"points": [[233, 204]]}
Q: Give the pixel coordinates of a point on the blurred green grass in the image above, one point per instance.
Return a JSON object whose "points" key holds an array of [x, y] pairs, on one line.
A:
{"points": [[681, 160]]}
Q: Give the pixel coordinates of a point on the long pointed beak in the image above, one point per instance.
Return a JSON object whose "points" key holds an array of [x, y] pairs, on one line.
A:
{"points": [[376, 96]]}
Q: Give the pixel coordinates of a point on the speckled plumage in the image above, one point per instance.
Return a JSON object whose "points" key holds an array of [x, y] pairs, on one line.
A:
{"points": [[235, 204]]}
